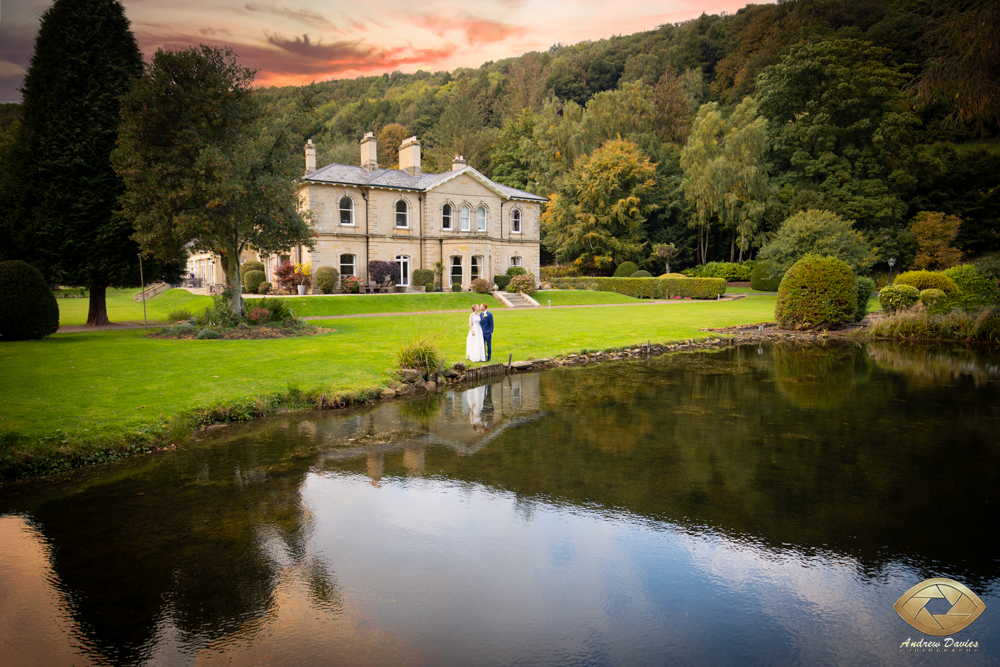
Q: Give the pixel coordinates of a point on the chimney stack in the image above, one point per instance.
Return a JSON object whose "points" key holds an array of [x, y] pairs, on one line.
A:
{"points": [[409, 156], [369, 152], [310, 156], [458, 163]]}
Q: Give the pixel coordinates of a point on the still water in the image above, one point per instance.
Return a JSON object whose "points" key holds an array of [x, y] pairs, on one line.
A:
{"points": [[748, 506]]}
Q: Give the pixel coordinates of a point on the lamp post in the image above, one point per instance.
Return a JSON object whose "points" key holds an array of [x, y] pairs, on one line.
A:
{"points": [[892, 263]]}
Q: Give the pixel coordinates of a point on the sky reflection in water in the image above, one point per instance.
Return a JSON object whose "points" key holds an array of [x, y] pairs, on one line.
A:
{"points": [[723, 508]]}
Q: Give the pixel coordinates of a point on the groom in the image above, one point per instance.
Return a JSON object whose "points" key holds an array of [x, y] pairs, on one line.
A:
{"points": [[486, 322]]}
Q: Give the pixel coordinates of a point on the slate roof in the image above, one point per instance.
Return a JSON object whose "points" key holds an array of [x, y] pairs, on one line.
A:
{"points": [[397, 179]]}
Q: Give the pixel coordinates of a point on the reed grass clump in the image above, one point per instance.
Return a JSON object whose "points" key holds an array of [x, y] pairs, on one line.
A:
{"points": [[961, 326]]}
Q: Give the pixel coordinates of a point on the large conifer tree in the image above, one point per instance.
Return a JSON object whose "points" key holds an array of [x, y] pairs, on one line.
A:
{"points": [[85, 59]]}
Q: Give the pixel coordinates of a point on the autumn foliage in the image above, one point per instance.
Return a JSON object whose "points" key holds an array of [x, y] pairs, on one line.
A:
{"points": [[935, 233]]}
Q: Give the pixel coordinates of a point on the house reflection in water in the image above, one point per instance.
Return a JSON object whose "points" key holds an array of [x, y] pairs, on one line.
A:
{"points": [[464, 421]]}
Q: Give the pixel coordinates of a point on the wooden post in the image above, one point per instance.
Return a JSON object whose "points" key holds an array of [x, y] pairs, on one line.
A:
{"points": [[510, 357]]}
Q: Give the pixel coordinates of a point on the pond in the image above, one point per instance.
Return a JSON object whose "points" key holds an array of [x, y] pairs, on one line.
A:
{"points": [[751, 505]]}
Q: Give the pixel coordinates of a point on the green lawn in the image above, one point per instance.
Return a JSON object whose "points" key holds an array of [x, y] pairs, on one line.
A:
{"points": [[364, 304], [567, 297], [116, 381], [122, 307]]}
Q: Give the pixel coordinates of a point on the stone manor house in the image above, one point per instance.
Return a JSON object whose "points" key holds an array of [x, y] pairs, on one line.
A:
{"points": [[475, 227]]}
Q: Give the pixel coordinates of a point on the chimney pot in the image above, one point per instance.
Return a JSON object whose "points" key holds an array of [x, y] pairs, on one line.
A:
{"points": [[369, 152], [409, 156], [310, 156], [458, 163]]}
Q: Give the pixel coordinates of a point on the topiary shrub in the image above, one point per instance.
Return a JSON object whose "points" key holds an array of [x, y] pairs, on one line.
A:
{"points": [[673, 275], [817, 293], [934, 300], [207, 334], [252, 280], [866, 287], [898, 297], [481, 286], [502, 281], [424, 277], [976, 289], [523, 283], [326, 279], [516, 271], [761, 278], [264, 288], [660, 288], [456, 287], [28, 309], [626, 269], [728, 271], [252, 265], [641, 274], [927, 280]]}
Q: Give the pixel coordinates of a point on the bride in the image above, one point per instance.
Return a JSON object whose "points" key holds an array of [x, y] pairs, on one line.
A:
{"points": [[475, 349]]}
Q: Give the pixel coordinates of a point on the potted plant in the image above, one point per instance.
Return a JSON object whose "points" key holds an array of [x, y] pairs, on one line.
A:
{"points": [[303, 276]]}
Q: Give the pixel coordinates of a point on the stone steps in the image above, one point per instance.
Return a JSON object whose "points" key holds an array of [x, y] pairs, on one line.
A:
{"points": [[518, 301]]}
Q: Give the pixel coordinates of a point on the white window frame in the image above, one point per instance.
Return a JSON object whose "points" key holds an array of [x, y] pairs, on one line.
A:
{"points": [[515, 220], [465, 218], [515, 261], [481, 218], [451, 270], [340, 211], [405, 213], [354, 264], [447, 217], [404, 275]]}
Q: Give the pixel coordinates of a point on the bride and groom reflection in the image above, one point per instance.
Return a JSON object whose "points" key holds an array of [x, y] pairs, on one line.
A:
{"points": [[480, 403]]}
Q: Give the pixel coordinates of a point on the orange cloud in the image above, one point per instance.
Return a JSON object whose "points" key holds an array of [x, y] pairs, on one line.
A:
{"points": [[477, 31]]}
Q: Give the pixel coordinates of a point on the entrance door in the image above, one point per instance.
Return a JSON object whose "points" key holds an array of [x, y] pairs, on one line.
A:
{"points": [[404, 270]]}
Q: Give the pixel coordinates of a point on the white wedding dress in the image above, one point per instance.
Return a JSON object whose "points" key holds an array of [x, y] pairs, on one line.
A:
{"points": [[475, 348]]}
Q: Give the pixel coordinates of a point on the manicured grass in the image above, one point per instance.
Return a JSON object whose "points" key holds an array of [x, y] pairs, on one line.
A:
{"points": [[568, 297], [363, 304], [122, 307], [114, 381]]}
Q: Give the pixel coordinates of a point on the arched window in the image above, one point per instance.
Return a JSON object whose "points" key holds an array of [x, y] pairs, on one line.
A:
{"points": [[402, 214], [481, 218], [456, 270], [464, 221], [346, 210], [446, 217], [515, 221], [404, 270], [346, 265]]}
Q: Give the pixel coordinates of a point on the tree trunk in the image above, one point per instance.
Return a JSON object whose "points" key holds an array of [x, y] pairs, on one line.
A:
{"points": [[97, 314], [732, 249], [231, 264]]}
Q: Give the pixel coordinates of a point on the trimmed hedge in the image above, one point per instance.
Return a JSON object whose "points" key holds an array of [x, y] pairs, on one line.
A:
{"points": [[662, 288], [502, 281], [28, 309], [252, 265], [252, 280], [626, 269], [898, 297], [326, 279], [866, 287], [424, 277], [817, 293], [673, 275], [641, 274], [977, 290], [728, 271], [927, 280], [516, 271], [934, 300], [761, 279]]}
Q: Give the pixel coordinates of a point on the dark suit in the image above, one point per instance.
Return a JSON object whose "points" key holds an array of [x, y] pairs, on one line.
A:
{"points": [[486, 322]]}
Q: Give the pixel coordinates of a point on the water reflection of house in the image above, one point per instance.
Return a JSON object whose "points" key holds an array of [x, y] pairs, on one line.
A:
{"points": [[465, 421]]}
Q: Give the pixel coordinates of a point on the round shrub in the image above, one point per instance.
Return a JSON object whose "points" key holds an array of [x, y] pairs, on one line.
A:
{"points": [[264, 288], [761, 278], [502, 281], [626, 269], [641, 274], [934, 299], [182, 328], [247, 267], [252, 281], [524, 283], [424, 277], [816, 293], [481, 286], [28, 309], [927, 280], [977, 290], [898, 297], [673, 275], [326, 279], [866, 287], [456, 287], [207, 334], [516, 271]]}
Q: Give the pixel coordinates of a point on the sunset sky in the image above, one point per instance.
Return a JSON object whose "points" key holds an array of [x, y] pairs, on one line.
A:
{"points": [[298, 41]]}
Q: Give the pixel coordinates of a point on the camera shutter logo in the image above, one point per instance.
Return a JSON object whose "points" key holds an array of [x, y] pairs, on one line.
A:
{"points": [[965, 607]]}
